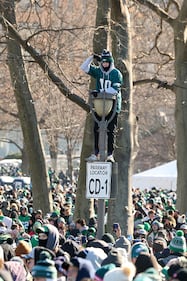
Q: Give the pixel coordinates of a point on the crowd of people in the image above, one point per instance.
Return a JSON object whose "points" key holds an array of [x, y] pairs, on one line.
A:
{"points": [[37, 246]]}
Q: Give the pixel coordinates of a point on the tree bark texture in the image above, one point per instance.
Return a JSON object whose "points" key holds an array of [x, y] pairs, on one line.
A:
{"points": [[40, 185], [179, 25], [120, 209], [180, 43]]}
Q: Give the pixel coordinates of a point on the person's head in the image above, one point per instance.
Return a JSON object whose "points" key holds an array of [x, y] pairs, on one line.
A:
{"points": [[80, 223], [151, 214], [53, 218], [159, 244], [80, 268], [66, 210], [156, 225], [100, 272], [38, 215], [106, 60], [124, 273], [48, 236], [169, 222], [23, 248], [61, 223], [137, 249], [33, 257], [178, 243], [183, 227], [143, 262], [45, 268], [24, 210]]}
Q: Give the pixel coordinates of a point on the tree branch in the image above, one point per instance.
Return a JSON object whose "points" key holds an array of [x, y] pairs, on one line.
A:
{"points": [[12, 142], [175, 3], [155, 8], [45, 67], [8, 112], [161, 84]]}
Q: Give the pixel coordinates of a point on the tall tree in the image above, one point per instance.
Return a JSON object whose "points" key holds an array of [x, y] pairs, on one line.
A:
{"points": [[179, 25], [121, 49], [122, 27], [26, 111]]}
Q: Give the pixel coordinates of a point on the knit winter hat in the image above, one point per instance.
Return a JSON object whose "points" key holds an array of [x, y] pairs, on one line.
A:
{"points": [[125, 273], [37, 225], [71, 247], [123, 242], [85, 268], [153, 274], [96, 256], [147, 226], [23, 248], [45, 267], [142, 277], [100, 273], [108, 237], [178, 243], [114, 257], [91, 232], [106, 56], [138, 248]]}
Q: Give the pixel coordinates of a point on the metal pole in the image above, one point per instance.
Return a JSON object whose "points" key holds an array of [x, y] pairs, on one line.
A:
{"points": [[103, 124], [102, 150]]}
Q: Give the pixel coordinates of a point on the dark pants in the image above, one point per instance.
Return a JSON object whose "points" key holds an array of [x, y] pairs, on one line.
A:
{"points": [[110, 133]]}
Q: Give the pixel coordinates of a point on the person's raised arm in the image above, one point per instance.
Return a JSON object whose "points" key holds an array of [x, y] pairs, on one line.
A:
{"points": [[85, 66]]}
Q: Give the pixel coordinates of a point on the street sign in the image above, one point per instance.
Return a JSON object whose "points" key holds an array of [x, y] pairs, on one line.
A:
{"points": [[98, 180]]}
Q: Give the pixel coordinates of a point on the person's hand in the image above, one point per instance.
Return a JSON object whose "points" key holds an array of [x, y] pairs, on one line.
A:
{"points": [[97, 57], [94, 93]]}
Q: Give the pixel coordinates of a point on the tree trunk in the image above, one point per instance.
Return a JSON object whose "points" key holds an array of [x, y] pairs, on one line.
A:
{"points": [[25, 162], [180, 33], [40, 185], [120, 209], [53, 149], [69, 159], [100, 41], [101, 34], [84, 208]]}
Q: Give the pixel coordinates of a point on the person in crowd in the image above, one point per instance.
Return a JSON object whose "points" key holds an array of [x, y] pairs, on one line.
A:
{"points": [[45, 268], [177, 248], [80, 268], [80, 224], [24, 217], [67, 214]]}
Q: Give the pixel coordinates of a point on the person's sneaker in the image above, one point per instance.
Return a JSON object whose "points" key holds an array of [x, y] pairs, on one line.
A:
{"points": [[92, 158], [110, 158]]}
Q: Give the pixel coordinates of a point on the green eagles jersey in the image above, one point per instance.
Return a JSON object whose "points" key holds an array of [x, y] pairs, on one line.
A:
{"points": [[25, 221], [113, 78]]}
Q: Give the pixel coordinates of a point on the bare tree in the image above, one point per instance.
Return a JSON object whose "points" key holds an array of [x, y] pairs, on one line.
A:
{"points": [[27, 116], [178, 22]]}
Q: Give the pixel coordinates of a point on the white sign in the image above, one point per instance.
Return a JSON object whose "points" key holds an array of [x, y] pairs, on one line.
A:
{"points": [[98, 180]]}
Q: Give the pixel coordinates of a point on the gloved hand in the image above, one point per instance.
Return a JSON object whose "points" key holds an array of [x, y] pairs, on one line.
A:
{"points": [[97, 57], [94, 93]]}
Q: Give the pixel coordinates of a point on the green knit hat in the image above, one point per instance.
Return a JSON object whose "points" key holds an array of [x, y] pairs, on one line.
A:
{"points": [[178, 243], [100, 272], [45, 267], [106, 56], [147, 226]]}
